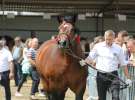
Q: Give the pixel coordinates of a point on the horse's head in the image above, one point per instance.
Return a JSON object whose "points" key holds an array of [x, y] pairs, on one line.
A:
{"points": [[65, 34]]}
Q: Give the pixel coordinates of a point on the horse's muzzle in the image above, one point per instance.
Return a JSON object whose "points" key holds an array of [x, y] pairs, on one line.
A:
{"points": [[63, 43]]}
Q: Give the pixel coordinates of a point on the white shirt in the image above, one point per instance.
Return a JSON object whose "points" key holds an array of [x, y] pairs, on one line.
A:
{"points": [[25, 51], [126, 53], [107, 58], [5, 58]]}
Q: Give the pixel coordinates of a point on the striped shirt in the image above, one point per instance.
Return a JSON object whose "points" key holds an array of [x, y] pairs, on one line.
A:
{"points": [[32, 53]]}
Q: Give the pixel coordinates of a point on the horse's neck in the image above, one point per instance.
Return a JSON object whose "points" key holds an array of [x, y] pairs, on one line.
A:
{"points": [[76, 48]]}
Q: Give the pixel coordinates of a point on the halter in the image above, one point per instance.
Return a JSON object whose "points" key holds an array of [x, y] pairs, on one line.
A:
{"points": [[61, 43]]}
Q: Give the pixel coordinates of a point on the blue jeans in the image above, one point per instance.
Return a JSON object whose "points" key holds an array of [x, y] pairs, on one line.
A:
{"points": [[35, 80], [17, 72], [5, 82], [92, 84], [23, 79]]}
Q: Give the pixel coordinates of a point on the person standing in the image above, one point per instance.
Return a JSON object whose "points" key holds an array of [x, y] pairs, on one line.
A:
{"points": [[33, 71], [25, 67], [91, 79], [108, 56], [131, 48], [121, 39], [17, 56], [6, 69]]}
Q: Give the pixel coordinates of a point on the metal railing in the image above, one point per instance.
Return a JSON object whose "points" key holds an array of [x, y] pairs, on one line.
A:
{"points": [[128, 93]]}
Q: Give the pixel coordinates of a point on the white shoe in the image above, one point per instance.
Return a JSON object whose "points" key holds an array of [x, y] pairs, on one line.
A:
{"points": [[32, 97], [17, 94], [41, 94]]}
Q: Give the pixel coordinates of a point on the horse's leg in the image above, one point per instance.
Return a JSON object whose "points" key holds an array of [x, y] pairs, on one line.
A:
{"points": [[56, 96], [51, 96], [79, 95], [61, 96]]}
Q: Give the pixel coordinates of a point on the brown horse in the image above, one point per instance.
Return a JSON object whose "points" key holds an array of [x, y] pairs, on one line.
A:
{"points": [[59, 70]]}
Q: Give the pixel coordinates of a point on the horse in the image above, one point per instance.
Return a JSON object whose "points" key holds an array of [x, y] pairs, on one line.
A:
{"points": [[59, 68]]}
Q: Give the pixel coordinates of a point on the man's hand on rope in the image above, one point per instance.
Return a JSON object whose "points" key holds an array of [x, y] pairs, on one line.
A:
{"points": [[129, 82], [82, 62]]}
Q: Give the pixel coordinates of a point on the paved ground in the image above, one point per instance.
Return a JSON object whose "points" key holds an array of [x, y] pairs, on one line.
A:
{"points": [[26, 90]]}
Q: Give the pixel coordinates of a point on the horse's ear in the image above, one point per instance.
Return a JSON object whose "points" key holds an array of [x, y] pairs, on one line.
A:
{"points": [[70, 18], [60, 19]]}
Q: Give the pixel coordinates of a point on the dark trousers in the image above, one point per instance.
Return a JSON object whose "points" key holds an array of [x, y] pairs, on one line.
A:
{"points": [[35, 80], [5, 82], [103, 84], [23, 79], [17, 72]]}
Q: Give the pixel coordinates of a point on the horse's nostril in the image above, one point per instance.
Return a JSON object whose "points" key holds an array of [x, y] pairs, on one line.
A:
{"points": [[63, 44]]}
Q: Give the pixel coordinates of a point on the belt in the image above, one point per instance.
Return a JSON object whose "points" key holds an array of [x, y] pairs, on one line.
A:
{"points": [[109, 74], [4, 72]]}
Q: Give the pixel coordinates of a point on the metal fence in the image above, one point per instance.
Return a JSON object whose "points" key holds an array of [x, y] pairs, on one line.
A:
{"points": [[132, 89], [128, 93]]}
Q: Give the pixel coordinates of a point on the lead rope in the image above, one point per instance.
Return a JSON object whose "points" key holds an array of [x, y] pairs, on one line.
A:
{"points": [[71, 53]]}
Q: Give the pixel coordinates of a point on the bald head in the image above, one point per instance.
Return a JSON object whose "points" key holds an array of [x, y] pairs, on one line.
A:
{"points": [[109, 37]]}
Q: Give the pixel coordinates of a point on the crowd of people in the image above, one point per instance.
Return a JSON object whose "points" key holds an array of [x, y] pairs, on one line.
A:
{"points": [[19, 63], [113, 53]]}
